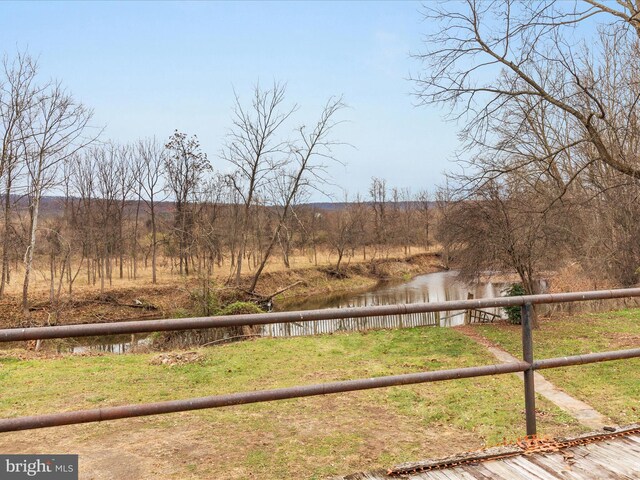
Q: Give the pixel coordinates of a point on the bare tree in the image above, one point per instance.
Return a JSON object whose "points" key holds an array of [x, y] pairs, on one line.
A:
{"points": [[311, 228], [423, 200], [548, 94], [18, 93], [184, 167], [488, 58], [445, 202], [254, 148], [405, 218], [76, 240], [343, 231], [362, 213], [84, 185], [306, 169], [59, 252], [150, 159], [108, 173], [505, 226], [378, 195], [210, 229], [125, 188], [56, 131]]}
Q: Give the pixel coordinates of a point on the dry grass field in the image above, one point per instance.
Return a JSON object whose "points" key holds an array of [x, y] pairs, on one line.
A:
{"points": [[167, 276], [175, 295]]}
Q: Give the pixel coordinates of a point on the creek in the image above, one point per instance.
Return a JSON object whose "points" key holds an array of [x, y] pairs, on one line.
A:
{"points": [[430, 287]]}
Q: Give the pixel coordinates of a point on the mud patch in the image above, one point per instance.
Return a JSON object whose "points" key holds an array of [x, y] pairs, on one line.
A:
{"points": [[177, 358], [623, 340]]}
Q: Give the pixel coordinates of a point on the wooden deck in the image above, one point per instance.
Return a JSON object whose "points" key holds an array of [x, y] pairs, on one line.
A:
{"points": [[588, 457]]}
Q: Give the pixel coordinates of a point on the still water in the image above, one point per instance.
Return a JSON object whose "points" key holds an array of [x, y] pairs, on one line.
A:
{"points": [[431, 287]]}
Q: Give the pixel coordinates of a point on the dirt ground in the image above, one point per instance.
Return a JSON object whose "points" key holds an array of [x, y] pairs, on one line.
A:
{"points": [[191, 446]]}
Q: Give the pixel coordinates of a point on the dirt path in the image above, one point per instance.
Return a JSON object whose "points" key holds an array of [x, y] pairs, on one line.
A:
{"points": [[581, 411]]}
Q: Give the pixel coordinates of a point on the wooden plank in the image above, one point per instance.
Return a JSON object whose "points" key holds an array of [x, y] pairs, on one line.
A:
{"points": [[446, 474], [586, 459], [603, 458], [613, 458], [626, 441], [556, 461], [623, 461], [539, 460], [534, 469], [457, 473], [606, 456], [587, 464], [523, 469], [617, 446], [630, 445], [477, 471], [500, 471], [430, 475], [633, 438], [377, 475], [417, 476]]}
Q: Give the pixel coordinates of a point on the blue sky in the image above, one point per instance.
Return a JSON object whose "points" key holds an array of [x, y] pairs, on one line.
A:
{"points": [[148, 68]]}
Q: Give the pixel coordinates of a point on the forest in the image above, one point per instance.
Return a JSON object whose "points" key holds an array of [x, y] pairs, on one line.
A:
{"points": [[77, 208]]}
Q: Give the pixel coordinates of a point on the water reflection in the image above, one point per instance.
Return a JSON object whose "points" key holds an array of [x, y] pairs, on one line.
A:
{"points": [[105, 344], [431, 287]]}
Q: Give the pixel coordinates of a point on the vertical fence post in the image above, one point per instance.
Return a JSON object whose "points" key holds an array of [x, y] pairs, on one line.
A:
{"points": [[526, 313]]}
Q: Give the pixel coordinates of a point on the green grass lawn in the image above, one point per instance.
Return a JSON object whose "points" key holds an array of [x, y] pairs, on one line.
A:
{"points": [[613, 388], [304, 438]]}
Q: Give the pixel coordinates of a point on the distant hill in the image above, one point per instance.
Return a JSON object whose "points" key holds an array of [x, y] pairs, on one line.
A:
{"points": [[333, 206], [326, 206], [54, 205]]}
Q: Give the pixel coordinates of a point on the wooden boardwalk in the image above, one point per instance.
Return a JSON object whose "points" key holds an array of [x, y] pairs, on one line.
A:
{"points": [[588, 457]]}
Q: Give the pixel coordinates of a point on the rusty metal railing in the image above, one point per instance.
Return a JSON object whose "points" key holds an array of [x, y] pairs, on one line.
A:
{"points": [[527, 366]]}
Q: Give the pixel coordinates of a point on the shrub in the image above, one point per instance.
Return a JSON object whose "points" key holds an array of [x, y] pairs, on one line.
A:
{"points": [[204, 298], [180, 313], [239, 308], [513, 313]]}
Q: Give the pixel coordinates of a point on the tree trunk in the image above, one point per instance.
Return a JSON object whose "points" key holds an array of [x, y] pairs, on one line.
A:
{"points": [[340, 252], [28, 256], [52, 274], [154, 245], [135, 241], [4, 277], [102, 262]]}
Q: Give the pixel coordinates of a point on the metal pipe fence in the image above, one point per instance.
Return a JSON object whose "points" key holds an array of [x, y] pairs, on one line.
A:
{"points": [[527, 366]]}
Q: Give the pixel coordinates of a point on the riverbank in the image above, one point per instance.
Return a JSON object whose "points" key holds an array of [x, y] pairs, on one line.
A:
{"points": [[183, 297]]}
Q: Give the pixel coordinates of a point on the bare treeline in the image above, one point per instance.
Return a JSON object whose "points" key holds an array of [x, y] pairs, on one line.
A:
{"points": [[43, 126], [120, 208], [548, 93]]}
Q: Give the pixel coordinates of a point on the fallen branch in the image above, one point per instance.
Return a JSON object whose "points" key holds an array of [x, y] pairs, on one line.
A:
{"points": [[102, 300], [136, 304], [283, 290], [266, 298]]}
